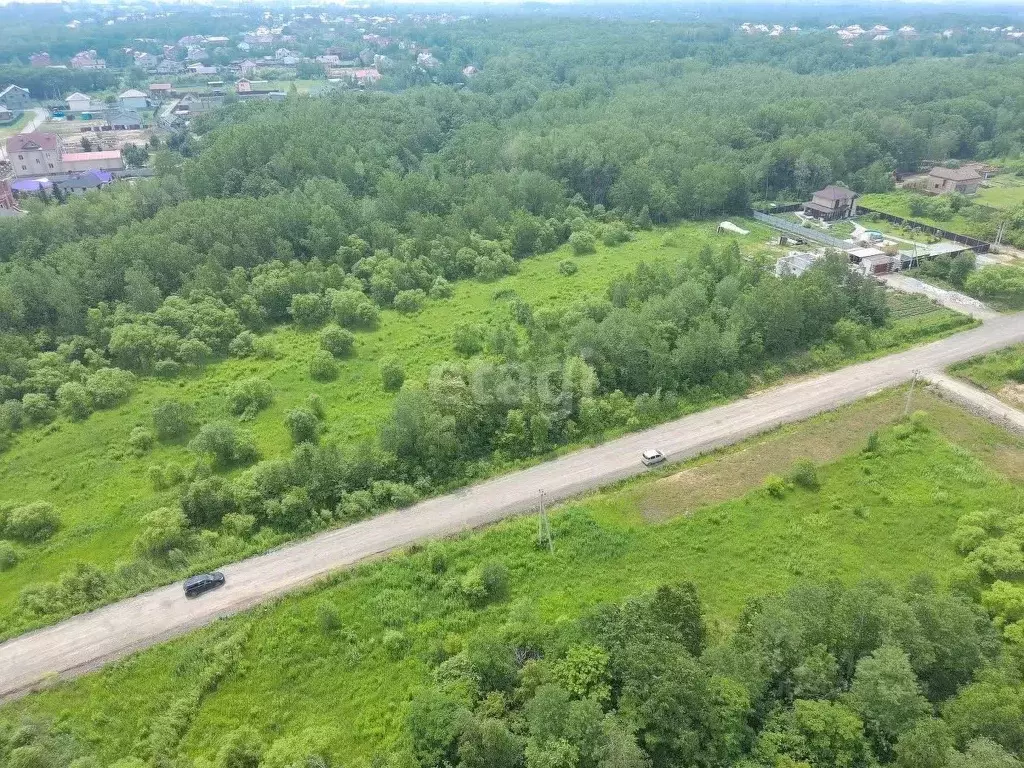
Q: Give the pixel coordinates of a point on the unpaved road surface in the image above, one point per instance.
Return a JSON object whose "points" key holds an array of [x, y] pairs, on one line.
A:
{"points": [[88, 641]]}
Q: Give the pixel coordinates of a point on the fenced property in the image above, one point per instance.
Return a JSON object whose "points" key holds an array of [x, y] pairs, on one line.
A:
{"points": [[806, 233], [971, 243]]}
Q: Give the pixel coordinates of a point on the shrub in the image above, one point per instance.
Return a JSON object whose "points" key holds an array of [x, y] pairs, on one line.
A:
{"points": [[582, 242], [8, 556], [392, 374], [486, 583], [303, 425], [141, 440], [38, 408], [110, 386], [441, 289], [322, 367], [467, 339], [249, 396], [775, 486], [31, 523], [263, 348], [74, 400], [163, 530], [207, 500], [238, 524], [567, 267], [171, 420], [805, 474], [194, 352], [919, 421], [225, 444], [315, 404], [409, 302], [338, 341], [353, 309], [394, 644], [327, 617], [872, 446], [242, 345]]}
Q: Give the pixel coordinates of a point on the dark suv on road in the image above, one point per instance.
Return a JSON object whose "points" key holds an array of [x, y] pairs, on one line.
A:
{"points": [[196, 585]]}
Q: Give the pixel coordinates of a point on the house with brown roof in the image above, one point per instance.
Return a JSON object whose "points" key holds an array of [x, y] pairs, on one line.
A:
{"points": [[832, 202], [34, 154], [964, 180]]}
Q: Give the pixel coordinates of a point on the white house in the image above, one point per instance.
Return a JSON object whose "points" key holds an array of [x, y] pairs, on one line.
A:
{"points": [[132, 99], [79, 102]]}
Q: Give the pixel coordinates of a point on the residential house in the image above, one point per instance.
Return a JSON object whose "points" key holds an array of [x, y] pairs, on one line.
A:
{"points": [[160, 90], [170, 67], [282, 53], [146, 61], [426, 60], [247, 67], [832, 202], [6, 115], [243, 86], [34, 154], [80, 183], [196, 54], [15, 98], [244, 46], [201, 69], [329, 60], [217, 40], [963, 180], [109, 160], [87, 60], [124, 119], [469, 71], [23, 187], [132, 99], [79, 102], [40, 60]]}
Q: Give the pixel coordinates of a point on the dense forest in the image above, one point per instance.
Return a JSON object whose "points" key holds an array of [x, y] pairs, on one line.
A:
{"points": [[390, 192]]}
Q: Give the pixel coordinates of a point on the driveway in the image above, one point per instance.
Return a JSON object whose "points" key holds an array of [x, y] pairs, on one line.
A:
{"points": [[89, 641]]}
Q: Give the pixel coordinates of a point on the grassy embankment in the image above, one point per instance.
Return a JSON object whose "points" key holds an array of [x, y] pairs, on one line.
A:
{"points": [[999, 372], [343, 659], [101, 488]]}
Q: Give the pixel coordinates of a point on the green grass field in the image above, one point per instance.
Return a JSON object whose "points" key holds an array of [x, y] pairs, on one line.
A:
{"points": [[341, 660], [1004, 191], [102, 490], [994, 371], [897, 203]]}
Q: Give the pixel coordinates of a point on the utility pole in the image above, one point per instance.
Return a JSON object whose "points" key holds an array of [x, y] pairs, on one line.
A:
{"points": [[913, 381], [543, 526]]}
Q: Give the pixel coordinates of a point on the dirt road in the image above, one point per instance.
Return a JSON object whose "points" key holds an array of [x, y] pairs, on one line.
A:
{"points": [[86, 642]]}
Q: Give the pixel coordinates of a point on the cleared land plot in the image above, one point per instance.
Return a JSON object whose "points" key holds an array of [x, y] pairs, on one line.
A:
{"points": [[1004, 191], [344, 659]]}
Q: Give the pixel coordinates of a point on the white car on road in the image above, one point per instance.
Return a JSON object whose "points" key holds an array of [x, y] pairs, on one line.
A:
{"points": [[651, 457]]}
